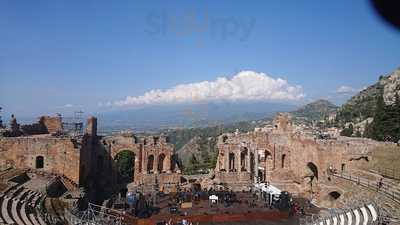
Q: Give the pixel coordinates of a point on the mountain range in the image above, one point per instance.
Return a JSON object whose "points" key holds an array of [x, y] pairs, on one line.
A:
{"points": [[316, 110], [156, 118]]}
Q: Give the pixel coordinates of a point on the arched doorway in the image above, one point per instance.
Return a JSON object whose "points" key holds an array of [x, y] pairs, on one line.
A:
{"points": [[313, 169], [150, 162], [160, 165], [39, 162], [125, 163], [267, 155]]}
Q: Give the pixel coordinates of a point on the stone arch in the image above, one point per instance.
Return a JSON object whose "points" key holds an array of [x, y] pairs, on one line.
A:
{"points": [[283, 158], [268, 161], [231, 161], [39, 162], [334, 195], [267, 154], [150, 163], [314, 169], [125, 162], [116, 151], [160, 163]]}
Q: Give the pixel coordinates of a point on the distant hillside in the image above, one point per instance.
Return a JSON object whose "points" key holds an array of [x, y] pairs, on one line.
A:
{"points": [[363, 105], [156, 118], [196, 147], [317, 110], [374, 112]]}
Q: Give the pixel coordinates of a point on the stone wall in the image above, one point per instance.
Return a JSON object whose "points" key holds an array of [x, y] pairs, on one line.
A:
{"points": [[50, 154], [283, 155], [45, 125], [90, 160], [52, 124], [153, 162]]}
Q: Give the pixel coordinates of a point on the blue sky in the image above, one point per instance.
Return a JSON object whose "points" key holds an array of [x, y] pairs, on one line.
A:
{"points": [[56, 56]]}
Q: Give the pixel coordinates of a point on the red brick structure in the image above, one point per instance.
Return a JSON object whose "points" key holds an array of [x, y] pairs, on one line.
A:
{"points": [[88, 159], [153, 162], [286, 157]]}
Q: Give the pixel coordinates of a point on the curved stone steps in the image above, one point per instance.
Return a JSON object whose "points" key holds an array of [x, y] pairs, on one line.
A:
{"points": [[363, 215], [24, 215], [22, 194], [4, 211], [36, 199], [30, 203], [18, 192], [40, 219], [1, 215], [14, 213], [33, 219], [14, 207]]}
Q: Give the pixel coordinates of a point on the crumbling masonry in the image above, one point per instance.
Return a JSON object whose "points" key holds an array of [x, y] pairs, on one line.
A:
{"points": [[286, 157], [87, 160]]}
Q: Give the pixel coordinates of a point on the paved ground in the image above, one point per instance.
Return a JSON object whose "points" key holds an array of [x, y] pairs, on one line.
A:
{"points": [[204, 207], [37, 183], [246, 203]]}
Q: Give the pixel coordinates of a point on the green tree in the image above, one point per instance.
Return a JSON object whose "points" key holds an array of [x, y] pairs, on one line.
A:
{"points": [[125, 164], [368, 130], [193, 166], [348, 131], [378, 129], [394, 119]]}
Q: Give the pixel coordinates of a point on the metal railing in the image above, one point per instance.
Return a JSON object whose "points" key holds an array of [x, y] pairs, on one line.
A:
{"points": [[387, 172], [380, 187], [95, 214]]}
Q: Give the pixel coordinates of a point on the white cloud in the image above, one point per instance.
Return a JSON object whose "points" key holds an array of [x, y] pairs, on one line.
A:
{"points": [[346, 90], [68, 106], [246, 85]]}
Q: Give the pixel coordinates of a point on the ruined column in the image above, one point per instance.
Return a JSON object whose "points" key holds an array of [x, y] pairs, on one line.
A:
{"points": [[91, 126], [237, 162], [136, 170], [167, 163], [226, 164], [155, 164], [248, 169], [144, 161]]}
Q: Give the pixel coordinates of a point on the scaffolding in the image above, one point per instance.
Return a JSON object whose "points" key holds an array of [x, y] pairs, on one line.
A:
{"points": [[73, 126], [94, 215]]}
